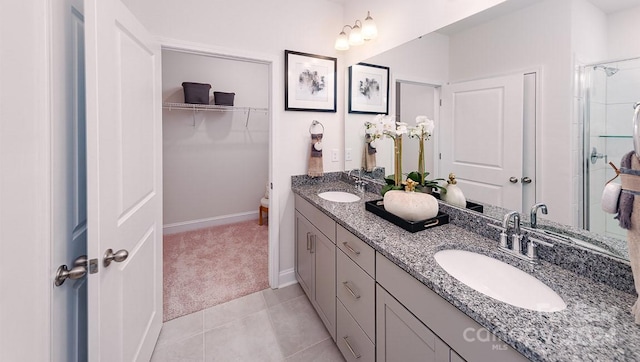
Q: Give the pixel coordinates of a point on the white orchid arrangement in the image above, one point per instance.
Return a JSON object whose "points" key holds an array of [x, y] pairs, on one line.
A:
{"points": [[384, 125], [424, 128]]}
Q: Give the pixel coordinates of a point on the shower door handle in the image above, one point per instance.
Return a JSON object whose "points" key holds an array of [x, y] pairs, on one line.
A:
{"points": [[595, 156]]}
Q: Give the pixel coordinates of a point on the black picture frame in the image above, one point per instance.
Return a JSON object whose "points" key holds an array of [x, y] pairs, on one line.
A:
{"points": [[368, 89], [309, 82]]}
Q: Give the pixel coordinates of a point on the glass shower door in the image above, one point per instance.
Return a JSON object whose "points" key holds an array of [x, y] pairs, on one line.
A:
{"points": [[611, 91]]}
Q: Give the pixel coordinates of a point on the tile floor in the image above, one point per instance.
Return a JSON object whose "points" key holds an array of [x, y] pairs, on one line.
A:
{"points": [[270, 325]]}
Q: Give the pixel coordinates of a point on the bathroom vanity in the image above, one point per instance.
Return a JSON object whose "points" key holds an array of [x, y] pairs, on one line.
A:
{"points": [[383, 297]]}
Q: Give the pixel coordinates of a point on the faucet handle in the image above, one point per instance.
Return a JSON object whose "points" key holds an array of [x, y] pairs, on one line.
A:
{"points": [[503, 235], [540, 242], [533, 246]]}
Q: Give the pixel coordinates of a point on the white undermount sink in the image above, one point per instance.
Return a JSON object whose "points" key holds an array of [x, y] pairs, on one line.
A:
{"points": [[499, 280], [339, 196]]}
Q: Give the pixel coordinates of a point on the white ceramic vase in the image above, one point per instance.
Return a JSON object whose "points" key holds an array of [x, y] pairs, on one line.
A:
{"points": [[412, 206]]}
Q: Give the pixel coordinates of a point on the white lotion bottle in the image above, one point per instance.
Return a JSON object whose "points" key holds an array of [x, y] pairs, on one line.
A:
{"points": [[454, 195]]}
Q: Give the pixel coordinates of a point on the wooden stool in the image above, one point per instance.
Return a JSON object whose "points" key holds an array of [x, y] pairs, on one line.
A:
{"points": [[264, 207]]}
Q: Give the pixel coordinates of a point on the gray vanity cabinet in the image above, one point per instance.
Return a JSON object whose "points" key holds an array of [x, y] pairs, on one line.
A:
{"points": [[402, 337], [315, 261], [356, 297]]}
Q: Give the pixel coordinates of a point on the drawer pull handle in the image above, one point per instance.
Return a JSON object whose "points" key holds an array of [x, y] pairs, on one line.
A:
{"points": [[346, 245], [308, 241], [354, 294], [346, 341], [313, 243]]}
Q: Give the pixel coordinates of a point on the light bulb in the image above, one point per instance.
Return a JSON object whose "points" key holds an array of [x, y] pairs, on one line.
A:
{"points": [[355, 36], [342, 42], [369, 28]]}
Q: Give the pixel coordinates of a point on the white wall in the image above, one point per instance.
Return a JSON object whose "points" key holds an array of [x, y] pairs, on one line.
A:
{"points": [[264, 29], [404, 20], [26, 278], [218, 168], [623, 31], [537, 37]]}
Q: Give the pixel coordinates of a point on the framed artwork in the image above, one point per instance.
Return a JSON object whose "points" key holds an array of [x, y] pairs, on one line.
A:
{"points": [[310, 82], [368, 89]]}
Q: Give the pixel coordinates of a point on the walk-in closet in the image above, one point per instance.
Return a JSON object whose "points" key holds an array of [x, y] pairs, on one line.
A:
{"points": [[215, 175]]}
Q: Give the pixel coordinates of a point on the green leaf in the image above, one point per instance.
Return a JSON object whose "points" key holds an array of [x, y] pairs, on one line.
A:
{"points": [[390, 180], [414, 176]]}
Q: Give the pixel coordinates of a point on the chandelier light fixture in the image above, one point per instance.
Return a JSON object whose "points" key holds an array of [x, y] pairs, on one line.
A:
{"points": [[358, 33]]}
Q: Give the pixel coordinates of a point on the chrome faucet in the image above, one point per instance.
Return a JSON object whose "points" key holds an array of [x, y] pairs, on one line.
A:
{"points": [[534, 213], [517, 238], [360, 183]]}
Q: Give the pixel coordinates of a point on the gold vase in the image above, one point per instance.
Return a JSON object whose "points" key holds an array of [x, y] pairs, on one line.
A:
{"points": [[397, 152]]}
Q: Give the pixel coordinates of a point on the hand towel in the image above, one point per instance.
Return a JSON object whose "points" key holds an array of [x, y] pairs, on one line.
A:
{"points": [[629, 167], [315, 156], [369, 154]]}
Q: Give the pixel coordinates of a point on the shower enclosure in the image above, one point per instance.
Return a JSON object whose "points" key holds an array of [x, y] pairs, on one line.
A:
{"points": [[610, 91]]}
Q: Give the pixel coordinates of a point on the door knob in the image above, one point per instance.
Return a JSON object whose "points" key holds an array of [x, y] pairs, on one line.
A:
{"points": [[120, 256], [526, 180], [513, 180], [78, 271]]}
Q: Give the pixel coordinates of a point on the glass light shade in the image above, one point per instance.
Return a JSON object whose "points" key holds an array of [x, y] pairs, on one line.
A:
{"points": [[369, 28], [342, 42], [355, 36]]}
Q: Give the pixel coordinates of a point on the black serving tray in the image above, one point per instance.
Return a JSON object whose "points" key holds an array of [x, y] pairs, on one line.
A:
{"points": [[470, 205], [377, 207]]}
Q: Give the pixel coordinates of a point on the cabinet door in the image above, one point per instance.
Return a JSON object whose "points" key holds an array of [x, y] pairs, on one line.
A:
{"points": [[402, 337], [303, 262], [325, 280]]}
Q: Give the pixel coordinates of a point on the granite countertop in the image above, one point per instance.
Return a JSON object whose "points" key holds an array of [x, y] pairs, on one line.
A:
{"points": [[595, 326]]}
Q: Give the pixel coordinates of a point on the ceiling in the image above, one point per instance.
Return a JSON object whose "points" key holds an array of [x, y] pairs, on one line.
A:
{"points": [[609, 6]]}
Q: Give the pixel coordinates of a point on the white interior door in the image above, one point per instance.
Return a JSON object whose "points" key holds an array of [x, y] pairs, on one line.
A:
{"points": [[124, 185], [417, 99], [481, 138], [69, 186]]}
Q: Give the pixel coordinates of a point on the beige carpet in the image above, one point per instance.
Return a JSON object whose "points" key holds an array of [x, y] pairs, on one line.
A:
{"points": [[206, 267]]}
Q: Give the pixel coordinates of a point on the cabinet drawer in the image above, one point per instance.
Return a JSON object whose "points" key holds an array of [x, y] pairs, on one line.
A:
{"points": [[321, 221], [356, 290], [357, 250], [351, 340]]}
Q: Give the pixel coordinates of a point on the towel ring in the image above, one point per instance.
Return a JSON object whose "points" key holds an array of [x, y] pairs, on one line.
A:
{"points": [[315, 123]]}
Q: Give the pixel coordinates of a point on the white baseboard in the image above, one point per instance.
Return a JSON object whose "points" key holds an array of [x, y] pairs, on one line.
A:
{"points": [[180, 227], [286, 278]]}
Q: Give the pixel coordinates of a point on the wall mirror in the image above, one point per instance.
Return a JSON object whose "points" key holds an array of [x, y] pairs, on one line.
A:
{"points": [[575, 65]]}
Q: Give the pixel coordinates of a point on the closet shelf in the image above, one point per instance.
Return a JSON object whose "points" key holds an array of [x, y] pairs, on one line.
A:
{"points": [[211, 107], [207, 107]]}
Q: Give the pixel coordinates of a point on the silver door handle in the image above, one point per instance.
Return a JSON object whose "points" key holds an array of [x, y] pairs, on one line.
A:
{"points": [[119, 256], [308, 241], [526, 180], [513, 180], [78, 271]]}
